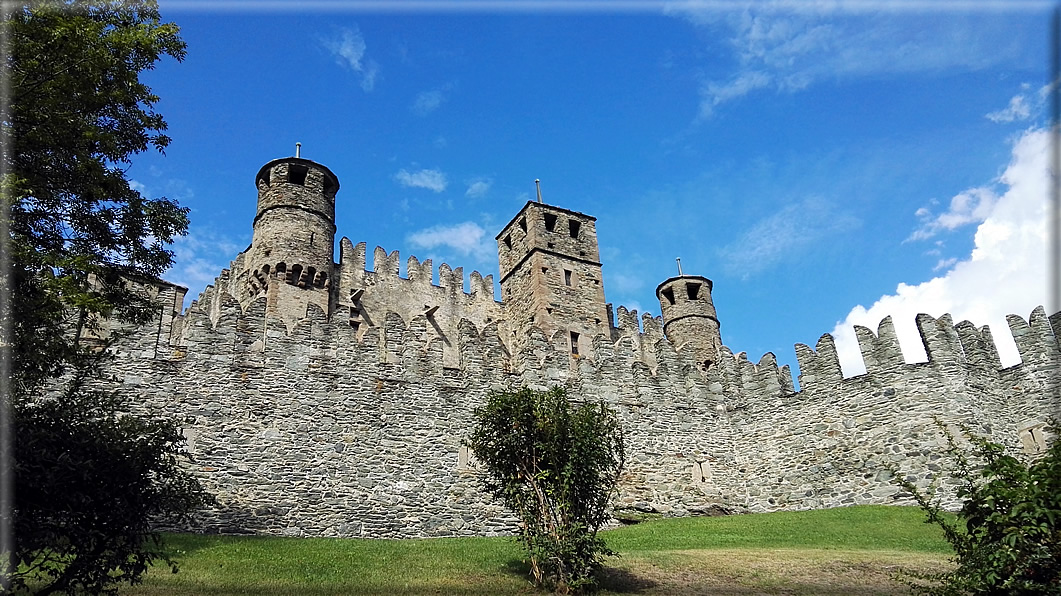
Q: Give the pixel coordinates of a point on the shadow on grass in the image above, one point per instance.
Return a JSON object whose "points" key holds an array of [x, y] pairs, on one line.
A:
{"points": [[623, 581], [611, 579]]}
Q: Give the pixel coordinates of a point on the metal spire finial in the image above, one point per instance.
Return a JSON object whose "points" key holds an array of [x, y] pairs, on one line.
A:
{"points": [[679, 259], [538, 186], [298, 149]]}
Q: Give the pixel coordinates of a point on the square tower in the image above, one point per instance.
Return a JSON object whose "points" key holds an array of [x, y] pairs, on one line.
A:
{"points": [[551, 276]]}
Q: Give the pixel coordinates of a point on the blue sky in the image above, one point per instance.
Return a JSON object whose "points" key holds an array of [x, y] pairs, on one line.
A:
{"points": [[825, 164]]}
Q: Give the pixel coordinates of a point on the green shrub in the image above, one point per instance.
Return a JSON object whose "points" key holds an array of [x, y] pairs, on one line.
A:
{"points": [[1007, 539], [555, 464]]}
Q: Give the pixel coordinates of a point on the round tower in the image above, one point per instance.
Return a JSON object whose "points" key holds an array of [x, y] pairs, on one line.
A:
{"points": [[689, 318], [294, 228]]}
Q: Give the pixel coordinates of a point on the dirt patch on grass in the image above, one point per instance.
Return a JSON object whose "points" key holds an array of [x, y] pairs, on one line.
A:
{"points": [[747, 572]]}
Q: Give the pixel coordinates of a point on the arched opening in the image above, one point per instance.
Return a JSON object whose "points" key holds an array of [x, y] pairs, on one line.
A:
{"points": [[296, 273]]}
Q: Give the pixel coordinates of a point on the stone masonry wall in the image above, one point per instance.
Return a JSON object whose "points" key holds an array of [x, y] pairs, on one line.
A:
{"points": [[326, 428]]}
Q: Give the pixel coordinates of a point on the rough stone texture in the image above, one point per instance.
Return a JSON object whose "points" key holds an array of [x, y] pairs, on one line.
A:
{"points": [[339, 409], [691, 322]]}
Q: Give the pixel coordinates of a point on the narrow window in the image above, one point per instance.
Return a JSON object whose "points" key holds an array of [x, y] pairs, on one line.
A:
{"points": [[545, 270], [572, 227], [669, 295], [296, 174], [550, 222], [523, 223], [574, 343], [508, 241], [567, 277], [694, 291]]}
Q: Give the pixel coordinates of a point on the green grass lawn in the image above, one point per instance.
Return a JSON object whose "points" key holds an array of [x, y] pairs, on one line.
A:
{"points": [[784, 553]]}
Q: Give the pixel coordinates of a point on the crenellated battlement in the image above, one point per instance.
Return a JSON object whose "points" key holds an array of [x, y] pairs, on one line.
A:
{"points": [[330, 398]]}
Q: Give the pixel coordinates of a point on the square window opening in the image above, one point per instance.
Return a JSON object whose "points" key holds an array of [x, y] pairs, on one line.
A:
{"points": [[573, 226], [550, 222], [694, 291], [574, 343], [523, 223], [669, 295], [567, 277], [508, 241], [296, 174]]}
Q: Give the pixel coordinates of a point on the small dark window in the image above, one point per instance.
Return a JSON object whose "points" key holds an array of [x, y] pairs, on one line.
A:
{"points": [[265, 269], [574, 343], [508, 241], [523, 223], [296, 174], [669, 295], [550, 222], [567, 277], [694, 291], [545, 270], [572, 227]]}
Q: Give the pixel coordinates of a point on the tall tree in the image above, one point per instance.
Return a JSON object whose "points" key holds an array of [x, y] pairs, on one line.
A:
{"points": [[78, 112], [90, 480]]}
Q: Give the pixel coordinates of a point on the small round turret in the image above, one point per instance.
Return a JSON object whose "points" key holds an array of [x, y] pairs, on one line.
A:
{"points": [[294, 229], [689, 319]]}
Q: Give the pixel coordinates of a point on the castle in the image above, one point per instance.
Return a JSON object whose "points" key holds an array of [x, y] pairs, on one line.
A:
{"points": [[321, 399]]}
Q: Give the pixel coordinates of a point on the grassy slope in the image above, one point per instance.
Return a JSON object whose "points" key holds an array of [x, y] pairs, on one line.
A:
{"points": [[789, 553]]}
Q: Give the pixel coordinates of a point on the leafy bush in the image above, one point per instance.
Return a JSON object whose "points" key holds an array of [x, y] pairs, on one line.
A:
{"points": [[556, 465], [1007, 539], [92, 485]]}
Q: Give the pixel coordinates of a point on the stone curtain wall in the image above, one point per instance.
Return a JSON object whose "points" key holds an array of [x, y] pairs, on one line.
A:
{"points": [[326, 430]]}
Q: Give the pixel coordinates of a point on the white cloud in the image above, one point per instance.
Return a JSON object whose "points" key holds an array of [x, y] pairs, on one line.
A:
{"points": [[429, 101], [945, 263], [714, 93], [349, 51], [783, 234], [467, 238], [788, 46], [622, 283], [969, 206], [1017, 109], [1004, 274], [199, 257], [478, 187], [430, 179]]}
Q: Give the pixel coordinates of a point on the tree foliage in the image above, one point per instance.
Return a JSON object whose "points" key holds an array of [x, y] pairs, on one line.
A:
{"points": [[90, 479], [93, 485], [555, 464], [78, 112], [1007, 537]]}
